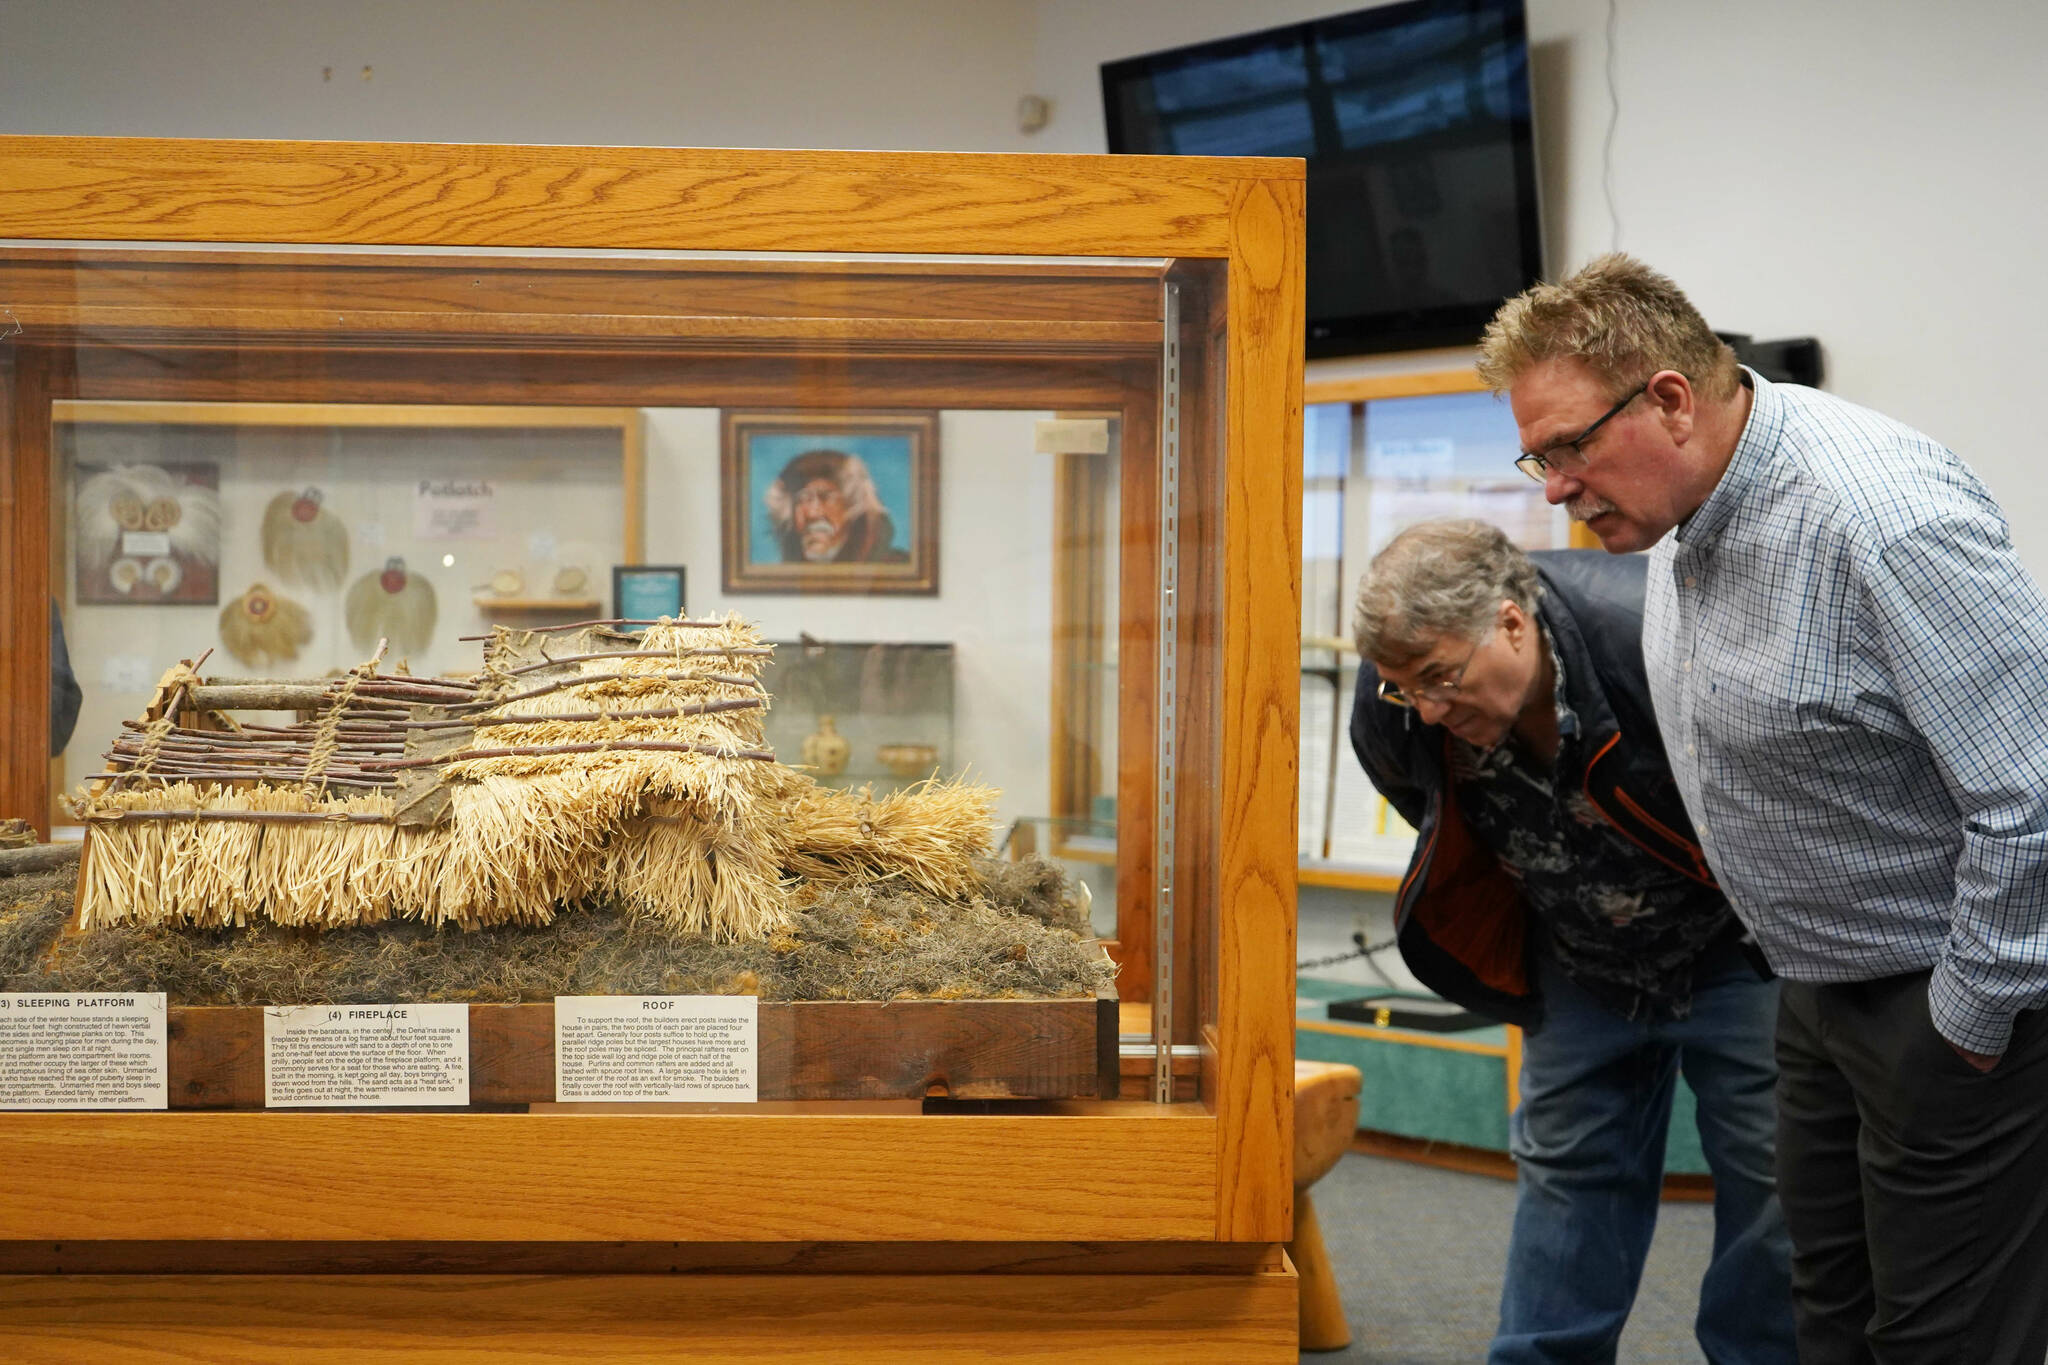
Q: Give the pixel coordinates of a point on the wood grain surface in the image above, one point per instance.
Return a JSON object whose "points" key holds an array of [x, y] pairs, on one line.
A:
{"points": [[1261, 706], [506, 1320], [25, 469], [809, 1050], [102, 285], [1102, 1176], [634, 1258], [424, 194]]}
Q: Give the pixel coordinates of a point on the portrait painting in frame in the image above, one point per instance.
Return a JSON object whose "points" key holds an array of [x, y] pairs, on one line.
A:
{"points": [[830, 502]]}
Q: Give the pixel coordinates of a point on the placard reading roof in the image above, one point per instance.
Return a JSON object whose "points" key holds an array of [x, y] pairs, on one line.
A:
{"points": [[657, 1047], [317, 1056], [84, 1051]]}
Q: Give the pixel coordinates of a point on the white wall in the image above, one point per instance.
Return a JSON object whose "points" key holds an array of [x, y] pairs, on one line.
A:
{"points": [[942, 74]]}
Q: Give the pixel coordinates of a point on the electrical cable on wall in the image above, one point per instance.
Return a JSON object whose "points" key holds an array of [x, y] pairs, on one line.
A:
{"points": [[1368, 951], [1613, 121]]}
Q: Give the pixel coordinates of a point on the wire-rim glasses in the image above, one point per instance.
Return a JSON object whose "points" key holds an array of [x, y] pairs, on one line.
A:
{"points": [[1537, 463], [1439, 693]]}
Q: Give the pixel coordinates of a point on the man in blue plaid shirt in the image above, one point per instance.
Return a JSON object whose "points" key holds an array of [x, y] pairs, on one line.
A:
{"points": [[1847, 662]]}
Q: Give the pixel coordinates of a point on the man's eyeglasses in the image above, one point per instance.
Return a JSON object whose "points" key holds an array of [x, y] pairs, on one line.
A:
{"points": [[1439, 692], [1565, 456]]}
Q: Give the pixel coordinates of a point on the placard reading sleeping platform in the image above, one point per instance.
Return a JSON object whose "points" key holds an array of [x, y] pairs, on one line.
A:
{"points": [[377, 1056], [84, 1051], [657, 1047]]}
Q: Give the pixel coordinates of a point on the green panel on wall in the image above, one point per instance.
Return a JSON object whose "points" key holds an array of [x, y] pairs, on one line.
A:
{"points": [[1420, 1092]]}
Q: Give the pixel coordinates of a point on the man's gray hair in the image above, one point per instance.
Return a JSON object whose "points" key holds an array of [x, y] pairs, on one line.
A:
{"points": [[1437, 579]]}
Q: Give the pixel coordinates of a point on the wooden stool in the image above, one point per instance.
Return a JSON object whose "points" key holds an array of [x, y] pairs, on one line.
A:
{"points": [[1325, 1117]]}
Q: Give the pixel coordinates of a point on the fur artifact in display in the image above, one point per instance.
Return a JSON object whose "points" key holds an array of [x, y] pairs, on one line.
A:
{"points": [[138, 526], [393, 604], [303, 542], [260, 628]]}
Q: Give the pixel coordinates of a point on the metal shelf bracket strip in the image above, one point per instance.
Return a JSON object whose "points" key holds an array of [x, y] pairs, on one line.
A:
{"points": [[1168, 695]]}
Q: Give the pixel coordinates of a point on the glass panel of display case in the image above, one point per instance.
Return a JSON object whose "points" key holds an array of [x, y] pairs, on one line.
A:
{"points": [[290, 538], [334, 563], [1370, 469], [874, 714]]}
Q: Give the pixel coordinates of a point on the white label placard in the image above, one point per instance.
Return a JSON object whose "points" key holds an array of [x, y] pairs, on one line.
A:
{"points": [[657, 1047], [454, 509], [84, 1051], [145, 542], [320, 1056], [127, 673], [1071, 436]]}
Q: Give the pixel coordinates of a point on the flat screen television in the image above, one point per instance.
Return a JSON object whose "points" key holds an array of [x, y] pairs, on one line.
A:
{"points": [[1415, 120]]}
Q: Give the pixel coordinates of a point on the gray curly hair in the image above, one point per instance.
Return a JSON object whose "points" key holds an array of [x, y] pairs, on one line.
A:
{"points": [[1439, 578]]}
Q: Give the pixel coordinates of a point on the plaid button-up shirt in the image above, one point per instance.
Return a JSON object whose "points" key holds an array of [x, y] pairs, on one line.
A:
{"points": [[1847, 661]]}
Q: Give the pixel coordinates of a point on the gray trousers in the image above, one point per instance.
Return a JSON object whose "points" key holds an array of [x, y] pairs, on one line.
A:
{"points": [[1915, 1187]]}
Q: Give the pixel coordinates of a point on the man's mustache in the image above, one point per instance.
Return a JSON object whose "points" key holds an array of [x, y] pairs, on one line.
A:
{"points": [[1585, 509]]}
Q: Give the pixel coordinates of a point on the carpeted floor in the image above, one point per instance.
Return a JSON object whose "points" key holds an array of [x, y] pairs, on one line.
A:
{"points": [[1418, 1253]]}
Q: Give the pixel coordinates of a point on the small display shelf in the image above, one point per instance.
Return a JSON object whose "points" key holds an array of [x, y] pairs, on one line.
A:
{"points": [[537, 604]]}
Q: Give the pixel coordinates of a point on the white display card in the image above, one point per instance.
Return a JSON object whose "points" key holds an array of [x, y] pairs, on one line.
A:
{"points": [[323, 1056], [657, 1047], [84, 1051]]}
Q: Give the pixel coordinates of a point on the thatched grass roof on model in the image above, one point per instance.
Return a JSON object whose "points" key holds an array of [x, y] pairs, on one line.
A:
{"points": [[638, 761], [580, 765]]}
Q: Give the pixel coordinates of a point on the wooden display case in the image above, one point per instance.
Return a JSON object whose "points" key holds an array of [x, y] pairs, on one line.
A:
{"points": [[420, 274]]}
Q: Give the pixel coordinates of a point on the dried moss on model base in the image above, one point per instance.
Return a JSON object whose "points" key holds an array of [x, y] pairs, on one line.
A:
{"points": [[1015, 932]]}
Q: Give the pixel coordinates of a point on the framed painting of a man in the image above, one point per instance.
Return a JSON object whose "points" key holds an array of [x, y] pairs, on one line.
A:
{"points": [[831, 502]]}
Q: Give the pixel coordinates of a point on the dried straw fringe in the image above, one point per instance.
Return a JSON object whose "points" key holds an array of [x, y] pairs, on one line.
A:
{"points": [[504, 857], [695, 841], [928, 834], [686, 838], [212, 873]]}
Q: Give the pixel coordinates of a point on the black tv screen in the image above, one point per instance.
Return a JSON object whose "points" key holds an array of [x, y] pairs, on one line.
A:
{"points": [[1415, 122]]}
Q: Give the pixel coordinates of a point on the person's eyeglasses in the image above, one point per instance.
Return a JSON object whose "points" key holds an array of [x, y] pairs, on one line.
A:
{"points": [[1439, 692], [1565, 456]]}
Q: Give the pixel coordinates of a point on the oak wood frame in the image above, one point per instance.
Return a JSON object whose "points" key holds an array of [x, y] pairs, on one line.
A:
{"points": [[1216, 1171]]}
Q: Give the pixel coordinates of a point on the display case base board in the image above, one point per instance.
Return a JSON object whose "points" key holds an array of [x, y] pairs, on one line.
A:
{"points": [[506, 1320], [808, 1050]]}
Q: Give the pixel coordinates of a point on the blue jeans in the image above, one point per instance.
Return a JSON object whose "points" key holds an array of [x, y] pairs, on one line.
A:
{"points": [[1588, 1141]]}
